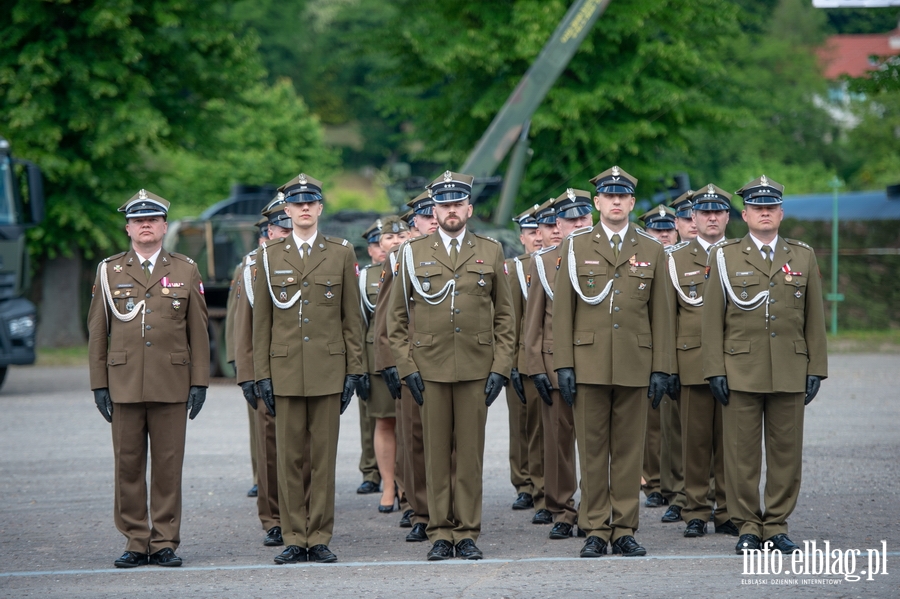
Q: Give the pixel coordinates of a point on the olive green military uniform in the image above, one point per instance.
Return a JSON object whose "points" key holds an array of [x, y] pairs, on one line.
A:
{"points": [[380, 403], [460, 337], [149, 364], [229, 356], [557, 421], [526, 442], [766, 351], [701, 414], [613, 347], [410, 443], [266, 452], [306, 345], [368, 465]]}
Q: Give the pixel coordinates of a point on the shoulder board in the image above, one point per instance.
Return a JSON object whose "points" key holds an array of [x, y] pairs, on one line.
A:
{"points": [[581, 231], [545, 250], [115, 257], [273, 242], [796, 242], [336, 240], [486, 237], [643, 233], [416, 240], [182, 257], [723, 243], [678, 246], [368, 266], [523, 256]]}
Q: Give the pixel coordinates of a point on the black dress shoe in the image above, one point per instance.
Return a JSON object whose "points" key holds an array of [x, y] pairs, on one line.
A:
{"points": [[748, 542], [593, 547], [367, 487], [254, 491], [561, 530], [542, 516], [273, 537], [695, 528], [405, 519], [292, 554], [523, 502], [580, 533], [655, 499], [417, 534], [132, 559], [783, 544], [628, 547], [321, 554], [673, 514], [728, 528], [165, 557], [441, 550], [466, 549], [386, 509]]}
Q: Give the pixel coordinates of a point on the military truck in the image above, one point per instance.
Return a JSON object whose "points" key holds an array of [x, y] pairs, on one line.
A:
{"points": [[18, 316]]}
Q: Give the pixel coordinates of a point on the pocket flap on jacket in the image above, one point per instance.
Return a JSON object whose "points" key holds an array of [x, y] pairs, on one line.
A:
{"points": [[278, 350], [329, 280], [336, 347], [486, 338], [736, 346], [583, 337], [115, 358], [800, 347], [422, 340], [688, 342], [180, 357], [645, 340]]}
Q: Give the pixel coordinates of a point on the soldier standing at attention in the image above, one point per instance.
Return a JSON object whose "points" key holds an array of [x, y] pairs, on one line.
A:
{"points": [[277, 226], [308, 361], [526, 444], [701, 414], [368, 463], [613, 339], [451, 285], [148, 349], [764, 355], [410, 441], [558, 218]]}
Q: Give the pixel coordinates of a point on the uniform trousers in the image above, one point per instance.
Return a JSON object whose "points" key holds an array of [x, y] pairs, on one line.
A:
{"points": [[368, 465], [701, 420], [267, 468], [650, 467], [251, 419], [164, 425], [409, 423], [306, 431], [743, 420], [671, 460], [454, 417], [526, 443], [610, 421], [560, 480]]}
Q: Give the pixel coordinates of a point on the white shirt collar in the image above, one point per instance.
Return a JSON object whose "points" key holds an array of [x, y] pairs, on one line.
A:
{"points": [[772, 244], [445, 237], [152, 258], [705, 244], [300, 242], [609, 232]]}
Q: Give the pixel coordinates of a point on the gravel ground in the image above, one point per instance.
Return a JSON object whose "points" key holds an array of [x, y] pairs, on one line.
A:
{"points": [[57, 537]]}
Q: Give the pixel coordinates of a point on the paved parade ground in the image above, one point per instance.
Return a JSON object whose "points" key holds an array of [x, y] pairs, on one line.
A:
{"points": [[57, 537]]}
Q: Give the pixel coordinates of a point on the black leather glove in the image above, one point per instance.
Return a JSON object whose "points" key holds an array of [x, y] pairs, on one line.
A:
{"points": [[567, 385], [544, 387], [251, 393], [659, 383], [416, 386], [363, 387], [495, 383], [104, 403], [516, 379], [674, 388], [392, 380], [351, 385], [196, 399], [812, 388], [267, 394], [719, 387]]}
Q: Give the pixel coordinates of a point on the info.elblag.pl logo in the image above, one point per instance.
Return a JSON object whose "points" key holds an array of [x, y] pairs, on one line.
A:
{"points": [[812, 561]]}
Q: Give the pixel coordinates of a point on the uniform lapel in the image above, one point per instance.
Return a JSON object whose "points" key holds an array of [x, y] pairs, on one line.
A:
{"points": [[438, 251], [466, 250], [291, 255], [782, 255], [134, 269], [316, 256], [699, 254], [602, 244], [753, 255], [161, 269], [629, 246]]}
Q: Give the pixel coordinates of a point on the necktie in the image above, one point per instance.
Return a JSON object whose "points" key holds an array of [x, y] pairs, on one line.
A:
{"points": [[616, 240], [304, 252], [768, 252], [146, 265], [454, 251]]}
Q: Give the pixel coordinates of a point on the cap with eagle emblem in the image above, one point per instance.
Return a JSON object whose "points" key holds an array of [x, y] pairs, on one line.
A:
{"points": [[762, 191], [451, 187], [145, 203], [615, 180], [712, 198], [661, 218]]}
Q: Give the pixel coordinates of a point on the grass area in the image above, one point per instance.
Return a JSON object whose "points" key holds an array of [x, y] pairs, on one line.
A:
{"points": [[63, 356]]}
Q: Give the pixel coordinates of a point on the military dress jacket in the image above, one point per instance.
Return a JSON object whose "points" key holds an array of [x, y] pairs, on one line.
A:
{"points": [[163, 349], [369, 284], [538, 334], [310, 341], [229, 312], [687, 261], [779, 339], [242, 334], [630, 333], [465, 330], [517, 271], [389, 269]]}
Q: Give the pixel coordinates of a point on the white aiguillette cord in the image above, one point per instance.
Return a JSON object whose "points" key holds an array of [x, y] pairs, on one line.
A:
{"points": [[248, 284], [520, 273], [280, 305], [366, 307], [542, 275], [673, 274], [132, 314], [433, 298], [590, 300], [751, 304]]}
